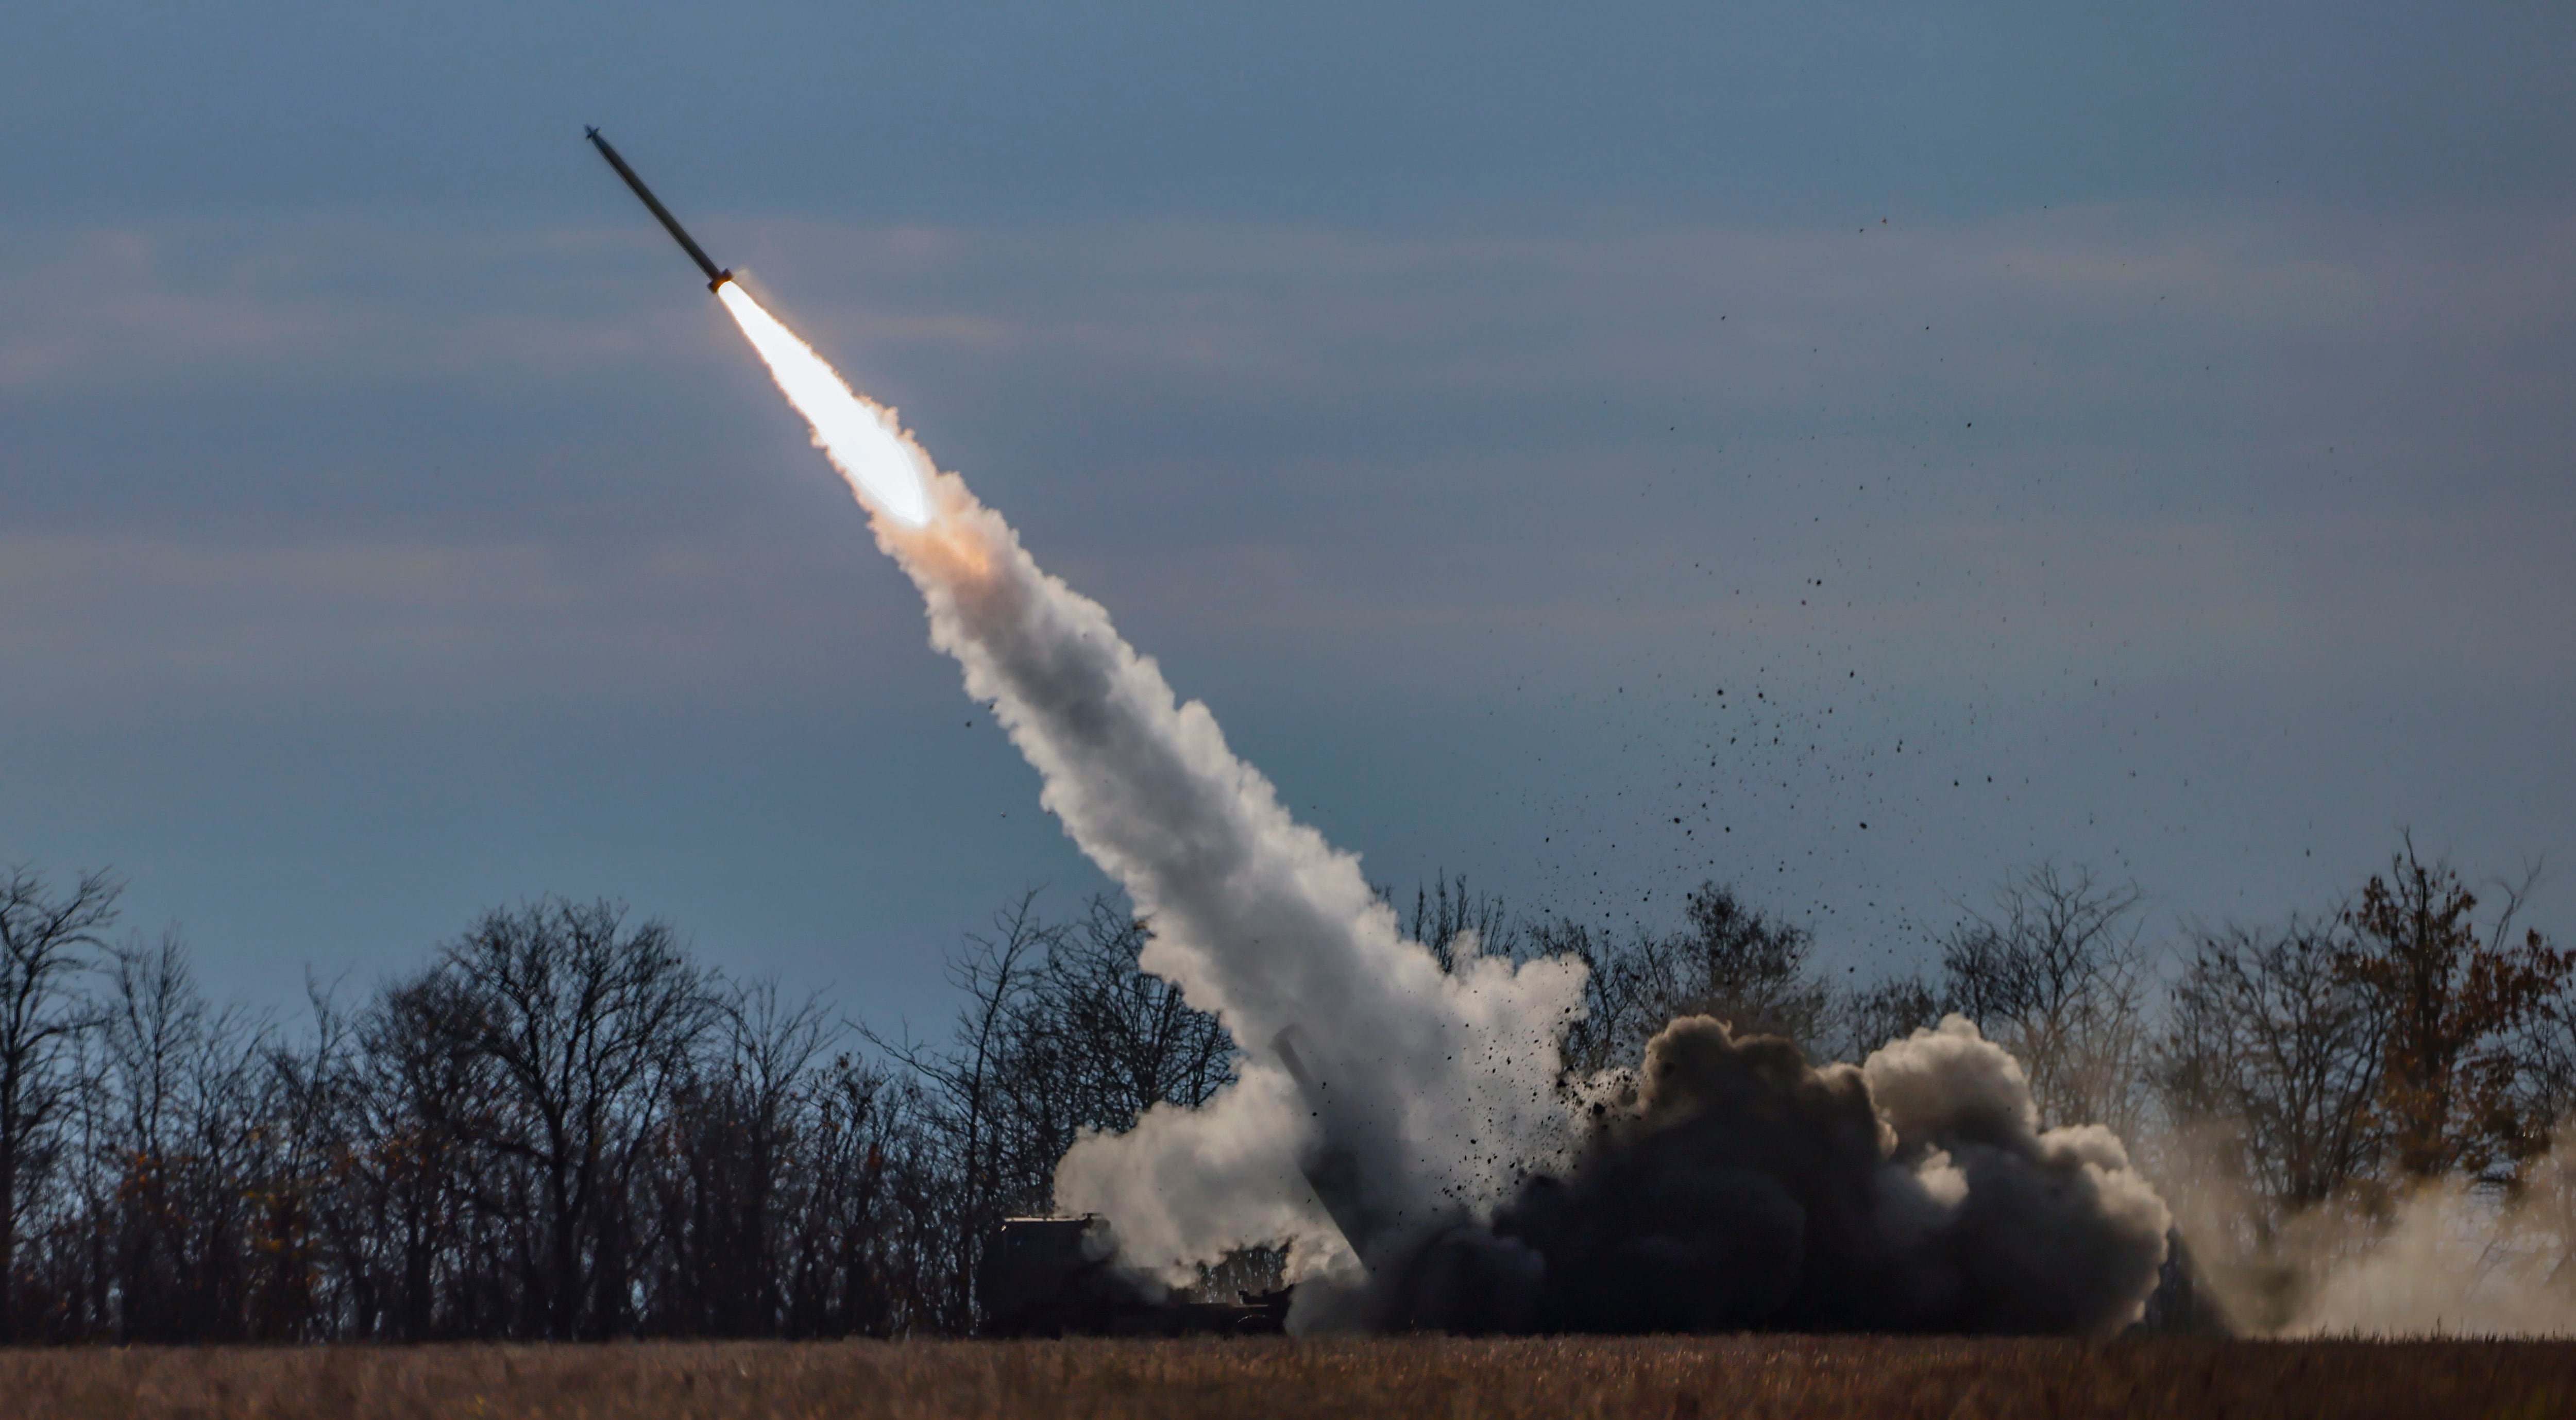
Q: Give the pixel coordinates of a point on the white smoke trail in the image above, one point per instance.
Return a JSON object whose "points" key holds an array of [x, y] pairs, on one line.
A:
{"points": [[1418, 1100], [1430, 1091]]}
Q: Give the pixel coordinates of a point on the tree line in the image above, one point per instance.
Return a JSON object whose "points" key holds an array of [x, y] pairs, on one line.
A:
{"points": [[562, 1125]]}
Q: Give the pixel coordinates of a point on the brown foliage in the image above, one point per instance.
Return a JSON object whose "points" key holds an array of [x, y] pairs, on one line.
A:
{"points": [[2454, 1004], [1810, 1378]]}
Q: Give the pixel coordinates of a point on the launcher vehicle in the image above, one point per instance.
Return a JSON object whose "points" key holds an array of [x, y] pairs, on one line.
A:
{"points": [[1059, 1277]]}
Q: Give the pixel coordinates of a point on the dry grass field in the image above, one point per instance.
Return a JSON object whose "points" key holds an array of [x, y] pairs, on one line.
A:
{"points": [[1811, 1378]]}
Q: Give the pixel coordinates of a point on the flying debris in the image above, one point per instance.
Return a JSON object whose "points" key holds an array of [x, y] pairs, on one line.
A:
{"points": [[716, 277]]}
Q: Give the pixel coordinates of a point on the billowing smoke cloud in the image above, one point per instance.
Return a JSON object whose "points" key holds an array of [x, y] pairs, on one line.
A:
{"points": [[1735, 1186], [1403, 1125]]}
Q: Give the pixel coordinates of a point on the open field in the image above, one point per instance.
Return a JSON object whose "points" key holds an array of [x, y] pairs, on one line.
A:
{"points": [[1245, 1380]]}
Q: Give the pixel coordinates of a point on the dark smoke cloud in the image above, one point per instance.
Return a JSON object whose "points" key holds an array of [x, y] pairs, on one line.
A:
{"points": [[1734, 1186]]}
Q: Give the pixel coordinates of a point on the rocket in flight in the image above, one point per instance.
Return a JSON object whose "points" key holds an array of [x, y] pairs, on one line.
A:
{"points": [[715, 276]]}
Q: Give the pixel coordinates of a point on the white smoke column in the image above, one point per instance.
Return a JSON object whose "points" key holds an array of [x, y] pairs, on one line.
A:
{"points": [[1432, 1091]]}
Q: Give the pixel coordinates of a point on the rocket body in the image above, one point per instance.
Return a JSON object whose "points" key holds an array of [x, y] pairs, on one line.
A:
{"points": [[716, 276]]}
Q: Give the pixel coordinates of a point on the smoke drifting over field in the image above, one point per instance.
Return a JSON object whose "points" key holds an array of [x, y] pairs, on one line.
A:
{"points": [[2442, 1258], [1405, 1126]]}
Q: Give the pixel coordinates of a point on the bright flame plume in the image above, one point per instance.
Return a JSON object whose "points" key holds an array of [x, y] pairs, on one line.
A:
{"points": [[859, 436]]}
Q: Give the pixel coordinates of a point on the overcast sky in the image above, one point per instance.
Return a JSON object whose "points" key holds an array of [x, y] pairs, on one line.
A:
{"points": [[1849, 450]]}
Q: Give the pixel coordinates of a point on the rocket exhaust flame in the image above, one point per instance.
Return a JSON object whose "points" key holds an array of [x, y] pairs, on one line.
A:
{"points": [[886, 470]]}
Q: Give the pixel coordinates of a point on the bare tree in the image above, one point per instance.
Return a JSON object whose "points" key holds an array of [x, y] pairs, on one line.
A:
{"points": [[996, 1170], [1446, 911], [1750, 969], [2272, 1054], [2547, 1088], [1730, 961], [864, 1255], [1888, 1010], [45, 937], [717, 1185], [1114, 1040], [306, 1097], [588, 1024], [415, 1115], [2057, 976], [185, 1129]]}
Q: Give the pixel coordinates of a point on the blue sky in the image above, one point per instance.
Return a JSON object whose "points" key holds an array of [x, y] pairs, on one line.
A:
{"points": [[2163, 418]]}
